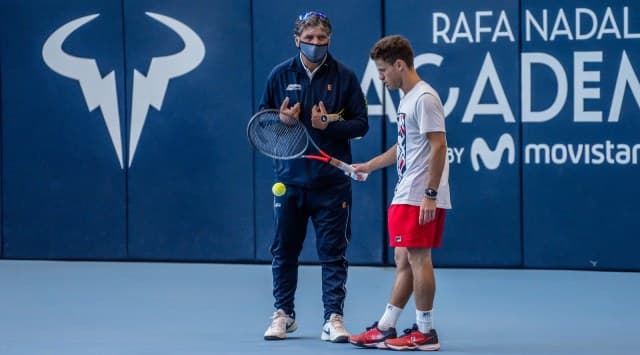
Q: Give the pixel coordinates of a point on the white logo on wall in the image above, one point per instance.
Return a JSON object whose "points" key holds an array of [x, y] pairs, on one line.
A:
{"points": [[102, 92], [574, 92], [492, 158]]}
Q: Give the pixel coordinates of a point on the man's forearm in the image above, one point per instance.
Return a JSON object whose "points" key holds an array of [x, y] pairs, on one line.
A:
{"points": [[436, 165], [383, 160]]}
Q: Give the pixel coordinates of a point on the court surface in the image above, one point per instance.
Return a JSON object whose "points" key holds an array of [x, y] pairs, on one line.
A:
{"points": [[113, 308]]}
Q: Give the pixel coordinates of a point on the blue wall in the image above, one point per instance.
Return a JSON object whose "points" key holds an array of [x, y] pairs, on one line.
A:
{"points": [[63, 191], [189, 184], [580, 201], [134, 147]]}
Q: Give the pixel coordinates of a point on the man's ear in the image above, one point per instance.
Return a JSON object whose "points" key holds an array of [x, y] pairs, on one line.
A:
{"points": [[399, 64], [296, 40]]}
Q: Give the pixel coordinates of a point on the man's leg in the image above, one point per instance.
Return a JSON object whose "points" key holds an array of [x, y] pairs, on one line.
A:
{"points": [[291, 225], [403, 282], [424, 283], [384, 329], [331, 216], [419, 241], [400, 292], [421, 336], [290, 222]]}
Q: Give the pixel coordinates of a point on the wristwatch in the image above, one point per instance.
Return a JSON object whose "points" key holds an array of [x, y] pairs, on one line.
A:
{"points": [[331, 117], [430, 193]]}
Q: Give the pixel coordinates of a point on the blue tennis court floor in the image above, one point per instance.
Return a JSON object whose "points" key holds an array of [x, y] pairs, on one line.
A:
{"points": [[121, 308]]}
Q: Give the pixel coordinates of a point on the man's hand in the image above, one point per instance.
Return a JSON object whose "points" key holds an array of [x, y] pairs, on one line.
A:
{"points": [[289, 112], [363, 168], [317, 111], [427, 211]]}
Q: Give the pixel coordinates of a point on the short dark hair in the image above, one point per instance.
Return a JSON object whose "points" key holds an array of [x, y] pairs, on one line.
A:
{"points": [[391, 48], [312, 19]]}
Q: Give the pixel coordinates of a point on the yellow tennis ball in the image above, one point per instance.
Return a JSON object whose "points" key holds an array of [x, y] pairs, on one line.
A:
{"points": [[278, 189]]}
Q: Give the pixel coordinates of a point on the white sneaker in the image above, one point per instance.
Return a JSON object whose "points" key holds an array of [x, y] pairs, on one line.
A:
{"points": [[334, 331], [281, 324]]}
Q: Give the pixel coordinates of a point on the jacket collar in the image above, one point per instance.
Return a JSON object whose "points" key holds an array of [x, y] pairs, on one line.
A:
{"points": [[297, 66]]}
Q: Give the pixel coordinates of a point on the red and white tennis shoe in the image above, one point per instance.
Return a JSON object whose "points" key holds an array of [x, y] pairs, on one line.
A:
{"points": [[413, 339], [373, 337]]}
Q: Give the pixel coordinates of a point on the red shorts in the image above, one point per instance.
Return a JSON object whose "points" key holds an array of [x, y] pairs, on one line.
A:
{"points": [[404, 230]]}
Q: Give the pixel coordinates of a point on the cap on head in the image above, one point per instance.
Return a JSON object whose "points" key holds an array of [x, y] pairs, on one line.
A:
{"points": [[312, 19]]}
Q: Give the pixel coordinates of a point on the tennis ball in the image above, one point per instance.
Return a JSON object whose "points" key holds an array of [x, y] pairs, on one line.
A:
{"points": [[278, 189]]}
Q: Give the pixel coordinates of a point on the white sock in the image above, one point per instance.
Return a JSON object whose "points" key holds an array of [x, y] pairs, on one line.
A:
{"points": [[390, 317], [424, 321]]}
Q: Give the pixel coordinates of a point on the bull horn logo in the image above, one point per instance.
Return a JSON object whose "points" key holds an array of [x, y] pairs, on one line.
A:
{"points": [[101, 92]]}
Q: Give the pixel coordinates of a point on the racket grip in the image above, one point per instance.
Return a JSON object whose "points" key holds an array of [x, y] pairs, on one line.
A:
{"points": [[349, 171]]}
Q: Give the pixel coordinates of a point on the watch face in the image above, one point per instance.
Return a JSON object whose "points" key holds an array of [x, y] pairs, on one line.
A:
{"points": [[430, 192]]}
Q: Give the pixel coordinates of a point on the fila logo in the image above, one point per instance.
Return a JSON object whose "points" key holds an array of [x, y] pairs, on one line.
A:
{"points": [[492, 158], [101, 91]]}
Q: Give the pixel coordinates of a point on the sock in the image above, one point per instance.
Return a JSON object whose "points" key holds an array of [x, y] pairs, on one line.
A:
{"points": [[424, 321], [390, 317]]}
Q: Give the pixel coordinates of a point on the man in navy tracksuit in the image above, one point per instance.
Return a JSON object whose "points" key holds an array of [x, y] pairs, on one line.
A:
{"points": [[308, 86]]}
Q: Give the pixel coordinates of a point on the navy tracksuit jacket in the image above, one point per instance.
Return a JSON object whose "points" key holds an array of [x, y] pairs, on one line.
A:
{"points": [[314, 189]]}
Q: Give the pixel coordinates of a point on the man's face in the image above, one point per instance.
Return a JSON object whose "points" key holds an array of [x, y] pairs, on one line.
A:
{"points": [[314, 35], [388, 74]]}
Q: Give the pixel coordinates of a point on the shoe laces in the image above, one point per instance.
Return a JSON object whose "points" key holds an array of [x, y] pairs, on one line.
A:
{"points": [[337, 322], [279, 320], [375, 325], [414, 328]]}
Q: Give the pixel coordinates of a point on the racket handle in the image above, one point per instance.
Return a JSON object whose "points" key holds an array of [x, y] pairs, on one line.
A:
{"points": [[348, 170]]}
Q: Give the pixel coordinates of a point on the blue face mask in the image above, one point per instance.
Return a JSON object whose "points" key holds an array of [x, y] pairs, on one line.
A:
{"points": [[314, 53]]}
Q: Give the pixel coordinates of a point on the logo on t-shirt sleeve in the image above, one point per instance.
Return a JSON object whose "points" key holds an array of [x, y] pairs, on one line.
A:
{"points": [[401, 154]]}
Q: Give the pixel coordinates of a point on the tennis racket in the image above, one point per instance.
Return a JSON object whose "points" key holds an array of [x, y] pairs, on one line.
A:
{"points": [[280, 136]]}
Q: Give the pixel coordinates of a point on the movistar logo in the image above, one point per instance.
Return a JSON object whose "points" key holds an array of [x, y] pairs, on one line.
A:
{"points": [[101, 91], [492, 158]]}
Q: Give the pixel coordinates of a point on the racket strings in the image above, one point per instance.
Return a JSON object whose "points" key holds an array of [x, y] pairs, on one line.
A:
{"points": [[275, 138]]}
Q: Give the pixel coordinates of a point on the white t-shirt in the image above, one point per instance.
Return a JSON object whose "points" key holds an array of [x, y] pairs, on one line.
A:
{"points": [[420, 111]]}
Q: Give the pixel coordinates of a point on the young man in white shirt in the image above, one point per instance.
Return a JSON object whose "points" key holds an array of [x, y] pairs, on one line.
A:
{"points": [[421, 197]]}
